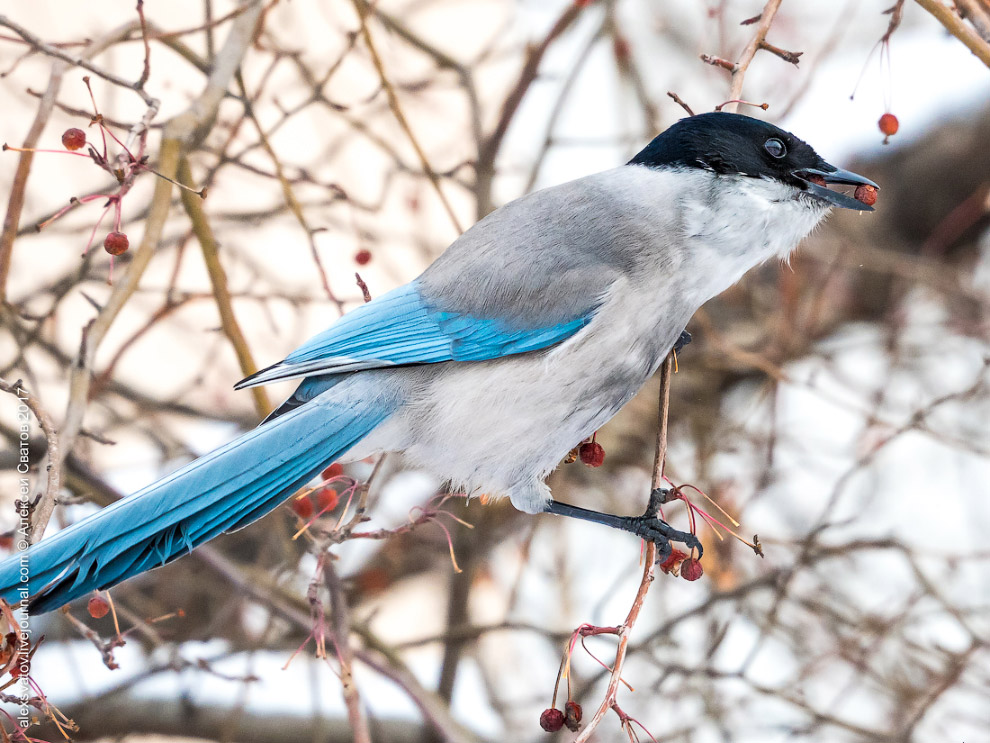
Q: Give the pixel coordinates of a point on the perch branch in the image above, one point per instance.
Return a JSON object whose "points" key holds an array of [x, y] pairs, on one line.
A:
{"points": [[649, 566], [958, 28]]}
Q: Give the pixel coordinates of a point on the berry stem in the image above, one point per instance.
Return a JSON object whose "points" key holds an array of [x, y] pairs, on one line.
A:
{"points": [[11, 148]]}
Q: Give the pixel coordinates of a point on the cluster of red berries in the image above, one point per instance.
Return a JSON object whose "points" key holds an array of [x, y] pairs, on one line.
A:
{"points": [[679, 563], [115, 243], [321, 500], [553, 719]]}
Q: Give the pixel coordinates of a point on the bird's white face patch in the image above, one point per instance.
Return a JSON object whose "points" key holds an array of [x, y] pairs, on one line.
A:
{"points": [[760, 217]]}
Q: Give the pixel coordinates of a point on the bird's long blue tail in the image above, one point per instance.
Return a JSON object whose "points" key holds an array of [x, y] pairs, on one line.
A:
{"points": [[222, 491]]}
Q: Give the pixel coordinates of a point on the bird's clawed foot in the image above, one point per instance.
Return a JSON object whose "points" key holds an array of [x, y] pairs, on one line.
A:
{"points": [[649, 526], [654, 529]]}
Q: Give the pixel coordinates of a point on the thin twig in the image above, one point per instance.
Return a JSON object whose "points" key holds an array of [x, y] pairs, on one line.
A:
{"points": [[393, 102], [340, 626], [290, 197], [218, 280], [180, 133], [489, 148], [76, 60], [754, 45], [958, 28], [43, 510], [649, 560], [146, 69], [15, 201], [677, 99]]}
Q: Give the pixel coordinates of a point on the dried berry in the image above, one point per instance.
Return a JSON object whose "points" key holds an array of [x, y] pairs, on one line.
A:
{"points": [[334, 470], [592, 453], [362, 257], [889, 124], [98, 607], [303, 507], [116, 243], [866, 194], [572, 716], [817, 179], [691, 569], [552, 720], [326, 499], [675, 558], [74, 139]]}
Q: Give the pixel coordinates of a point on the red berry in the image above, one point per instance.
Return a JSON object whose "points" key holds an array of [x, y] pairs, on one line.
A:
{"points": [[74, 139], [302, 506], [326, 499], [675, 558], [98, 607], [889, 124], [572, 716], [334, 470], [362, 257], [592, 453], [691, 569], [552, 720], [866, 194], [116, 243]]}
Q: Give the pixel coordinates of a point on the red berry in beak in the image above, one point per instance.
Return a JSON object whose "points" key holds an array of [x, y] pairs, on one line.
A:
{"points": [[866, 194]]}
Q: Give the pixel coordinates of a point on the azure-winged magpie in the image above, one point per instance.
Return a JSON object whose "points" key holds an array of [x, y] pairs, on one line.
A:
{"points": [[523, 338]]}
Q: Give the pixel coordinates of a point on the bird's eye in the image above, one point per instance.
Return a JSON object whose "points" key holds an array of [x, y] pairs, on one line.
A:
{"points": [[775, 147]]}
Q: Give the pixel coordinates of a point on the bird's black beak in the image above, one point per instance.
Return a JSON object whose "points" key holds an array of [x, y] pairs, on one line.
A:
{"points": [[836, 176]]}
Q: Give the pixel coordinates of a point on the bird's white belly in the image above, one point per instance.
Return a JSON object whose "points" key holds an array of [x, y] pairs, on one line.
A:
{"points": [[499, 427]]}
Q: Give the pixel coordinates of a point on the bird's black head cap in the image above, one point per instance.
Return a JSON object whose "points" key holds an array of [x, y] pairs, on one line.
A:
{"points": [[732, 144]]}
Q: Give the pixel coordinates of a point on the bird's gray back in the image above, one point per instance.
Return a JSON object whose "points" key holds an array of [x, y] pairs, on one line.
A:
{"points": [[549, 256]]}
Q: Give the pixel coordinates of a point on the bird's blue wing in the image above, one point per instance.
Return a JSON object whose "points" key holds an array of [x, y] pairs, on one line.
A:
{"points": [[401, 327]]}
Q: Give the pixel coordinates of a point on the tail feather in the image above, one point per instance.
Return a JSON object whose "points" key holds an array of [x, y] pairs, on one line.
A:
{"points": [[222, 491]]}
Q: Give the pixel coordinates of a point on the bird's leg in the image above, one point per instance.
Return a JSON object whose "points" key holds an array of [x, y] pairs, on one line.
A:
{"points": [[682, 341], [649, 526]]}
